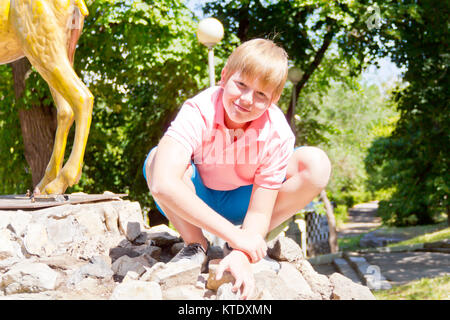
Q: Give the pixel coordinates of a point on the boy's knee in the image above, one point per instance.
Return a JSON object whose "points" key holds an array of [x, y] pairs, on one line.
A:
{"points": [[317, 163]]}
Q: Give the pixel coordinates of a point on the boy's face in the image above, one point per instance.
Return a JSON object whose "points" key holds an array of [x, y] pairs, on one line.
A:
{"points": [[244, 100]]}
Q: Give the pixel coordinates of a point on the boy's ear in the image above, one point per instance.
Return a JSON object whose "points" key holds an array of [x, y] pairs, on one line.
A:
{"points": [[222, 77]]}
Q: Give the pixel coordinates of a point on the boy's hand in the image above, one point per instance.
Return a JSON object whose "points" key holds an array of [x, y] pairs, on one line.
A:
{"points": [[250, 242], [239, 266]]}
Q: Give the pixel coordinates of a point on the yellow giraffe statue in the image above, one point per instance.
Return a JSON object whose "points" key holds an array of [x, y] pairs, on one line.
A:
{"points": [[46, 32]]}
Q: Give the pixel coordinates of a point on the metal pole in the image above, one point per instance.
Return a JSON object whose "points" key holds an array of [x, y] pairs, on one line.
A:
{"points": [[211, 66], [293, 99]]}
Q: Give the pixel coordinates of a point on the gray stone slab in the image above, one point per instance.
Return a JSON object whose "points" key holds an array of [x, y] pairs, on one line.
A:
{"points": [[345, 269], [22, 201]]}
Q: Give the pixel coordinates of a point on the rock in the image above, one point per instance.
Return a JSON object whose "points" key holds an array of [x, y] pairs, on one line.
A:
{"points": [[224, 292], [346, 289], [121, 266], [130, 214], [183, 292], [9, 247], [6, 264], [266, 263], [295, 281], [176, 274], [176, 247], [201, 281], [152, 251], [141, 239], [19, 222], [131, 275], [104, 250], [28, 277], [137, 290], [376, 239], [264, 295], [117, 252], [163, 228], [147, 275], [320, 284], [135, 251], [36, 240], [64, 232], [133, 230], [163, 236], [268, 280], [111, 218], [214, 284], [98, 267], [91, 218], [284, 249]]}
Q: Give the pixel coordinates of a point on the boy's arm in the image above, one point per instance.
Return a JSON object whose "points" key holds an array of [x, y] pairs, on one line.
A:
{"points": [[257, 221], [167, 187], [260, 210]]}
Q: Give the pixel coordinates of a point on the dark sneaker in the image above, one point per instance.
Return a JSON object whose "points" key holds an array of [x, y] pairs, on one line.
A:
{"points": [[194, 253], [226, 249]]}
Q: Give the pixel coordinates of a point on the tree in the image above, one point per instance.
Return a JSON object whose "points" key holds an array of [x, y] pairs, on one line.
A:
{"points": [[414, 159], [308, 30], [141, 61]]}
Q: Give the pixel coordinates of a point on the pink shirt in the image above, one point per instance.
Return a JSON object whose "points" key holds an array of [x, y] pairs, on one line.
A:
{"points": [[225, 158]]}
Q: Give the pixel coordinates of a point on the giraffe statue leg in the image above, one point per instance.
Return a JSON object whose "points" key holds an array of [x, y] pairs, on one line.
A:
{"points": [[43, 36], [64, 122]]}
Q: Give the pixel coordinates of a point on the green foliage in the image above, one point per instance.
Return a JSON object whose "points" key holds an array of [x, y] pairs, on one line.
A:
{"points": [[141, 61], [13, 171], [341, 214], [328, 40], [413, 161], [423, 289], [353, 111]]}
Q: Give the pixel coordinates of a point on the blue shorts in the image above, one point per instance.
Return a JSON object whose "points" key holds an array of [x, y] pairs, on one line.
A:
{"points": [[231, 204]]}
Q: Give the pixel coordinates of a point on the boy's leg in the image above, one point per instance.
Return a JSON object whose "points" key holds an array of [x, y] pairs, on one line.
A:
{"points": [[307, 174], [188, 232]]}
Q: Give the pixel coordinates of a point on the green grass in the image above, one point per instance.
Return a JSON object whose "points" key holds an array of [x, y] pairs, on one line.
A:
{"points": [[417, 234], [425, 238], [350, 243], [424, 289]]}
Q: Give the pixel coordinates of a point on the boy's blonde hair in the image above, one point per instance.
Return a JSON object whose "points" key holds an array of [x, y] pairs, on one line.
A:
{"points": [[260, 59]]}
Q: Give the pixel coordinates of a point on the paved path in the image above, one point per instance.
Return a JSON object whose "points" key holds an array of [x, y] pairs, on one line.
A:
{"points": [[362, 218], [403, 267], [397, 267]]}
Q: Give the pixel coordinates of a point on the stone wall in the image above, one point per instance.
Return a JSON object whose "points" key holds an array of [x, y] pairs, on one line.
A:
{"points": [[105, 251]]}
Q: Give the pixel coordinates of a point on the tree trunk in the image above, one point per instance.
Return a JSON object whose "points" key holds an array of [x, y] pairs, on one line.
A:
{"points": [[307, 73], [448, 216], [38, 125], [331, 222]]}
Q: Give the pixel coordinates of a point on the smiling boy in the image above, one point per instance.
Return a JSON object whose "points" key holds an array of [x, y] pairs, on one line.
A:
{"points": [[228, 159]]}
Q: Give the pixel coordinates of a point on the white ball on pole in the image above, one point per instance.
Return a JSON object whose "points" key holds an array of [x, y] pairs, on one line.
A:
{"points": [[210, 31], [295, 74]]}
